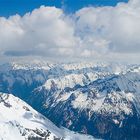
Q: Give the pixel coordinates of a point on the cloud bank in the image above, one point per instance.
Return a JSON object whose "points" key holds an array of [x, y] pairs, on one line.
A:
{"points": [[92, 33]]}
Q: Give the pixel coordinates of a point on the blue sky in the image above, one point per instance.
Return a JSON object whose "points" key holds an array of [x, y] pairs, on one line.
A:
{"points": [[11, 7]]}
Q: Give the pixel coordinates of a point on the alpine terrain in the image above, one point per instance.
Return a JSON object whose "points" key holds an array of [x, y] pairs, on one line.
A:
{"points": [[19, 121], [98, 99]]}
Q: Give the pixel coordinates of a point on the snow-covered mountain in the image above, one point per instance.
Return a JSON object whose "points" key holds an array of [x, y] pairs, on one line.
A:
{"points": [[100, 99], [107, 107], [18, 120]]}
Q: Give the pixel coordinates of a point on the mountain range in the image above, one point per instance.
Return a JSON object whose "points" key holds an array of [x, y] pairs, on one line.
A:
{"points": [[97, 99]]}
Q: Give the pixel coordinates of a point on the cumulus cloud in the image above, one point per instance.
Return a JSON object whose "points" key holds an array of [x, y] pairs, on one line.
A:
{"points": [[46, 32], [92, 33], [117, 26]]}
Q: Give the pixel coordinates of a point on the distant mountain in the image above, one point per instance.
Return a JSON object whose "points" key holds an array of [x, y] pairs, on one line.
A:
{"points": [[20, 121], [100, 99]]}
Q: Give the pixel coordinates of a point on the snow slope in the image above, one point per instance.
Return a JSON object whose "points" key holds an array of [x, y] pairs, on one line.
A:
{"points": [[20, 121]]}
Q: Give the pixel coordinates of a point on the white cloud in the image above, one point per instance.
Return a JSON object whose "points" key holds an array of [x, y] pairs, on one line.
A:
{"points": [[101, 33], [45, 31]]}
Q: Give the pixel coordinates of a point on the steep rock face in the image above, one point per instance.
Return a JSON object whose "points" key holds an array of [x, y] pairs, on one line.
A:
{"points": [[97, 99], [107, 107]]}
